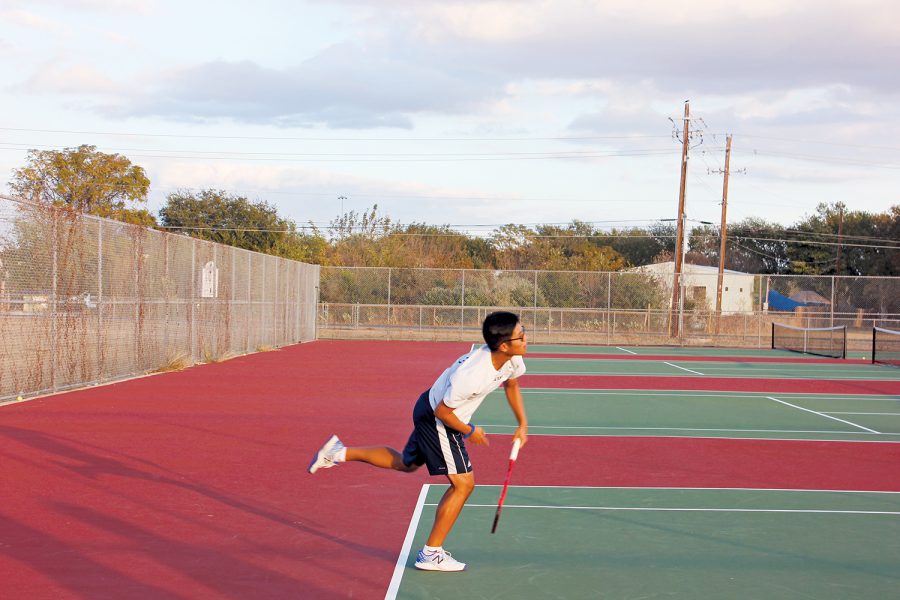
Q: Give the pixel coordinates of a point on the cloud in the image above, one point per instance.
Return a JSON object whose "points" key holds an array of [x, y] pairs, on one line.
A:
{"points": [[24, 18], [120, 6], [58, 77], [342, 87], [708, 45], [308, 194]]}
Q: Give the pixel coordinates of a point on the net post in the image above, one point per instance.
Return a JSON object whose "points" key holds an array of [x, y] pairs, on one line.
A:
{"points": [[773, 335], [874, 333], [844, 353]]}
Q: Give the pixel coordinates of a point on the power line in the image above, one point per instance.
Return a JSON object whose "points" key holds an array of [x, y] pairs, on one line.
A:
{"points": [[816, 243], [417, 157], [828, 159], [816, 142], [335, 139]]}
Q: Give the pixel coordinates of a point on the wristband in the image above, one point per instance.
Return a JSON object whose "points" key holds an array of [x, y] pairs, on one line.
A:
{"points": [[466, 436]]}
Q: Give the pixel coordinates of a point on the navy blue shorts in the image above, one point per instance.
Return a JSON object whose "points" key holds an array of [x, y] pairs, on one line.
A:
{"points": [[434, 444]]}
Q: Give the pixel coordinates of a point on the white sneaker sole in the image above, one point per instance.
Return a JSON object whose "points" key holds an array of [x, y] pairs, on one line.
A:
{"points": [[439, 568], [318, 460]]}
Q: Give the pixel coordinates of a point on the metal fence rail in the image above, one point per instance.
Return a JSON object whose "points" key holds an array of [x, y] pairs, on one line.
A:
{"points": [[85, 300], [591, 307]]}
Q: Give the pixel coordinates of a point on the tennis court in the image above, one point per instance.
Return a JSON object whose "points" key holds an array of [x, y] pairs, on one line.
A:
{"points": [[759, 474], [576, 542]]}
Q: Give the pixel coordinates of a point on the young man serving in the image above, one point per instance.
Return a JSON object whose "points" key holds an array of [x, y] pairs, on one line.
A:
{"points": [[442, 421]]}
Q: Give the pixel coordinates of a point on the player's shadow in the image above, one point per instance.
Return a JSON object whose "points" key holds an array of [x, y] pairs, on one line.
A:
{"points": [[215, 569], [93, 466], [65, 565]]}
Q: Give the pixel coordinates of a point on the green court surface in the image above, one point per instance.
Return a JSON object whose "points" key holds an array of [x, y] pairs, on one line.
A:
{"points": [[679, 351], [661, 351], [699, 414], [618, 543], [660, 368]]}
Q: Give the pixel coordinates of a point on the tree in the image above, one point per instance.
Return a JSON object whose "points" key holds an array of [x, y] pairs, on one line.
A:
{"points": [[757, 246], [639, 246], [217, 216], [86, 181]]}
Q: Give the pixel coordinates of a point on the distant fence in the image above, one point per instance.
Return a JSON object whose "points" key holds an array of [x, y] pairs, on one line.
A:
{"points": [[85, 300], [596, 307]]}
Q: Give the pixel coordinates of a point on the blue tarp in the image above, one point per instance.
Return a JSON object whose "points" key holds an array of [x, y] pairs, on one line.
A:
{"points": [[781, 302]]}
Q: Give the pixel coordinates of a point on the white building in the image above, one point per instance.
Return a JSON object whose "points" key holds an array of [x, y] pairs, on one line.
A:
{"points": [[700, 286]]}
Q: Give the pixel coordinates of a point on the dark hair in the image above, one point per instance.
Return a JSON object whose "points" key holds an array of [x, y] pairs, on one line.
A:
{"points": [[498, 326]]}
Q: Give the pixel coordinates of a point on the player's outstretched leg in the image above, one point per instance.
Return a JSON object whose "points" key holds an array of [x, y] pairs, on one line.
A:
{"points": [[326, 457]]}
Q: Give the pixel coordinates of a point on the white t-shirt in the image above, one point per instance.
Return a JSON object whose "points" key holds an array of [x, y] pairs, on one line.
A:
{"points": [[464, 385]]}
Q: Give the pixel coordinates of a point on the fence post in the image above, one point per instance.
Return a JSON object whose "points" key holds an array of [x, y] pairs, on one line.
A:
{"points": [[389, 297], [249, 306], [832, 301], [535, 301], [99, 300], [262, 305], [232, 303], [192, 335], [462, 300], [53, 311], [136, 267], [276, 308], [608, 308], [214, 352]]}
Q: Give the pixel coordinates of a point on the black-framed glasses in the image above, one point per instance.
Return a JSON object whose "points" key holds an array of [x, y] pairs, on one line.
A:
{"points": [[521, 337]]}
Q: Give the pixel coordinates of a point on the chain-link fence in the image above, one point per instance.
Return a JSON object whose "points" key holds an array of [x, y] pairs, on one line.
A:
{"points": [[85, 300], [633, 307]]}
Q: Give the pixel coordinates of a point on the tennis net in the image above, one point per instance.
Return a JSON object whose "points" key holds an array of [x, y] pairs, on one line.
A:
{"points": [[821, 341], [885, 346]]}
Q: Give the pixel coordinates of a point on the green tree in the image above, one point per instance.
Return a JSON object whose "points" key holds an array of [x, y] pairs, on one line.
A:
{"points": [[357, 239], [639, 246], [220, 217], [86, 181], [757, 246]]}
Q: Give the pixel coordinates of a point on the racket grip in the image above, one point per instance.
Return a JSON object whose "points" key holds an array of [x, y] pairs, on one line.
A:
{"points": [[515, 449]]}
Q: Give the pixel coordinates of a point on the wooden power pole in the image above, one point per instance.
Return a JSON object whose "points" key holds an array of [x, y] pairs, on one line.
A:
{"points": [[722, 234], [674, 321], [837, 262]]}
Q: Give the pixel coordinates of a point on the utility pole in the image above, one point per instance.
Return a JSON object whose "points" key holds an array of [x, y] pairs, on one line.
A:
{"points": [[722, 234], [837, 263], [674, 321]]}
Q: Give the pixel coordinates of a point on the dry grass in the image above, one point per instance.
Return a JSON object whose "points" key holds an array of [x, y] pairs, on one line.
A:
{"points": [[264, 348], [175, 362], [209, 357]]}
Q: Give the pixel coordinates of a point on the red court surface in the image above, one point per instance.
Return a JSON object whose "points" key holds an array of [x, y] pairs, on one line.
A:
{"points": [[193, 484]]}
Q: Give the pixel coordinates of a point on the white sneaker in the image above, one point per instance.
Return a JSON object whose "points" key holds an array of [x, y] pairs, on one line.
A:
{"points": [[324, 458], [438, 561]]}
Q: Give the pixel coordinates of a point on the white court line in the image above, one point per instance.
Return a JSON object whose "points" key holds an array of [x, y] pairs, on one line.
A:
{"points": [[689, 489], [831, 412], [625, 350], [712, 393], [831, 438], [661, 509], [407, 543], [611, 428], [815, 412], [726, 375], [682, 368]]}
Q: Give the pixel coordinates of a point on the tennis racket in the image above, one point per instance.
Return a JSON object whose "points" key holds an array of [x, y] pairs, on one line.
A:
{"points": [[512, 460]]}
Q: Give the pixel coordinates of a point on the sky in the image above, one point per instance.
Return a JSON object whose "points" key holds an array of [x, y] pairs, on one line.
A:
{"points": [[469, 113]]}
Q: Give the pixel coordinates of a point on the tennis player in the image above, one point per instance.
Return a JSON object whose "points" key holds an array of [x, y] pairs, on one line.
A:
{"points": [[442, 421]]}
